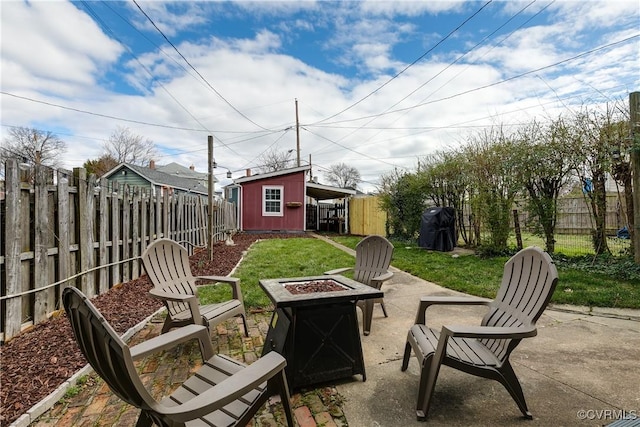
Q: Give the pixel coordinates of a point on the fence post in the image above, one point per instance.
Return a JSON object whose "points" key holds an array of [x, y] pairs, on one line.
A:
{"points": [[63, 227], [13, 231], [158, 215], [103, 254], [126, 229], [634, 110], [146, 212], [85, 230], [115, 232], [516, 226], [135, 231], [44, 300]]}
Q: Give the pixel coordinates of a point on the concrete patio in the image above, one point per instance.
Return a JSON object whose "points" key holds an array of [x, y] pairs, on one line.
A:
{"points": [[581, 370]]}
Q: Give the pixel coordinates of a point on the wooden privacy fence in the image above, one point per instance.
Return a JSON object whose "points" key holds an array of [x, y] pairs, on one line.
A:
{"points": [[574, 216], [86, 233], [366, 217]]}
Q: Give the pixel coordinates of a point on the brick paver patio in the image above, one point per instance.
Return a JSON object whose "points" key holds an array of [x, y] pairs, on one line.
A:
{"points": [[92, 403]]}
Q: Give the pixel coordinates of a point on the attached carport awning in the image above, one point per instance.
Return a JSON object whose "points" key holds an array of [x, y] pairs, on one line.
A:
{"points": [[326, 192]]}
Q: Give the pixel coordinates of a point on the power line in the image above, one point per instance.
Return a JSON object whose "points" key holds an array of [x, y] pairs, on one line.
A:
{"points": [[107, 116], [410, 65], [466, 92], [446, 68], [347, 148], [153, 78], [194, 69]]}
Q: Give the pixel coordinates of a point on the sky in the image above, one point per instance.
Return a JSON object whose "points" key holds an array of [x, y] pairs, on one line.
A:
{"points": [[378, 84]]}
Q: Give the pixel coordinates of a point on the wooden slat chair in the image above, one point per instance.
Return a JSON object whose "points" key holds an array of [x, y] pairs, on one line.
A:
{"points": [[373, 257], [167, 264], [223, 392], [528, 281]]}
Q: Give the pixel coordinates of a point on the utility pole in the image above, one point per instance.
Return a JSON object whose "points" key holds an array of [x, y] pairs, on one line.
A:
{"points": [[634, 110], [210, 194], [297, 134]]}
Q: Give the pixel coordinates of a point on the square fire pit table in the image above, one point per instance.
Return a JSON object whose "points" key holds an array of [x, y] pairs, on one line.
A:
{"points": [[315, 329]]}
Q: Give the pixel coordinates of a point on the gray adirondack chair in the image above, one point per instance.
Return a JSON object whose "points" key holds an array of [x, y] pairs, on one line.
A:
{"points": [[373, 257], [167, 264], [223, 392], [528, 281]]}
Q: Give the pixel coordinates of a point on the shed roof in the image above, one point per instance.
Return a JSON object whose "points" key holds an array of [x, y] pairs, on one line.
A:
{"points": [[273, 174], [326, 192]]}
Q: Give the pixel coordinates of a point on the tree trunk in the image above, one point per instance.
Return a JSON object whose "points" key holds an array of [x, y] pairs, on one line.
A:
{"points": [[599, 206]]}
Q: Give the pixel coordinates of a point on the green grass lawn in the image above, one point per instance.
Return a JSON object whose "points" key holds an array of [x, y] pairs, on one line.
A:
{"points": [[481, 276], [274, 258]]}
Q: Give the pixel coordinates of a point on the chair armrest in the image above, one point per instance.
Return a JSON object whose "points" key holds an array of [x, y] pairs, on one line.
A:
{"points": [[173, 338], [490, 332], [222, 279], [234, 282], [228, 390], [383, 277], [428, 301], [338, 271], [170, 296], [192, 300]]}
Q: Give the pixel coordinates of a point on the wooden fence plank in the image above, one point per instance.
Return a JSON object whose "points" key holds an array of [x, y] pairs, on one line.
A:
{"points": [[135, 232], [103, 236], [115, 232], [56, 231], [145, 215], [85, 231], [44, 300], [63, 243], [13, 232], [126, 232]]}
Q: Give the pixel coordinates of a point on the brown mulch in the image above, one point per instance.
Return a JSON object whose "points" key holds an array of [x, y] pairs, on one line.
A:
{"points": [[36, 362]]}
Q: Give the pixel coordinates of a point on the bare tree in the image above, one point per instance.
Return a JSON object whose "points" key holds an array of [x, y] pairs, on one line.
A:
{"points": [[274, 160], [127, 147], [343, 175], [30, 145]]}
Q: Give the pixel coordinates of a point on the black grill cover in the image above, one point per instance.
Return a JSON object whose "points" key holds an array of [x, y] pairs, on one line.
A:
{"points": [[437, 229]]}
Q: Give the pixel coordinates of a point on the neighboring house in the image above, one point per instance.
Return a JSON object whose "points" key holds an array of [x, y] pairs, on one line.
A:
{"points": [[277, 201], [155, 180], [178, 170]]}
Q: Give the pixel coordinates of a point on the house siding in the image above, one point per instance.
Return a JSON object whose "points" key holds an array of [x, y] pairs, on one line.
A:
{"points": [[292, 218], [131, 179]]}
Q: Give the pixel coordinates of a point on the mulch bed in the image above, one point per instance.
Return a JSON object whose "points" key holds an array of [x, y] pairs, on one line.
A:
{"points": [[36, 362]]}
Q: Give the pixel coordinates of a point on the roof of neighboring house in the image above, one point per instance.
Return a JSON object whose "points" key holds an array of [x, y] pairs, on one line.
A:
{"points": [[158, 178], [176, 169]]}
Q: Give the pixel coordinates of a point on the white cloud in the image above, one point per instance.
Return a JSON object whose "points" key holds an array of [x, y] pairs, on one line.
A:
{"points": [[265, 41], [409, 7], [170, 17], [50, 56], [259, 77]]}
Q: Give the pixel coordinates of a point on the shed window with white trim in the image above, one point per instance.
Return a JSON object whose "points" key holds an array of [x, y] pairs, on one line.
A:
{"points": [[272, 197]]}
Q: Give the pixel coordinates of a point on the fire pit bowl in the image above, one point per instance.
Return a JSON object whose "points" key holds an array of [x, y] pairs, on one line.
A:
{"points": [[302, 291], [314, 286]]}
